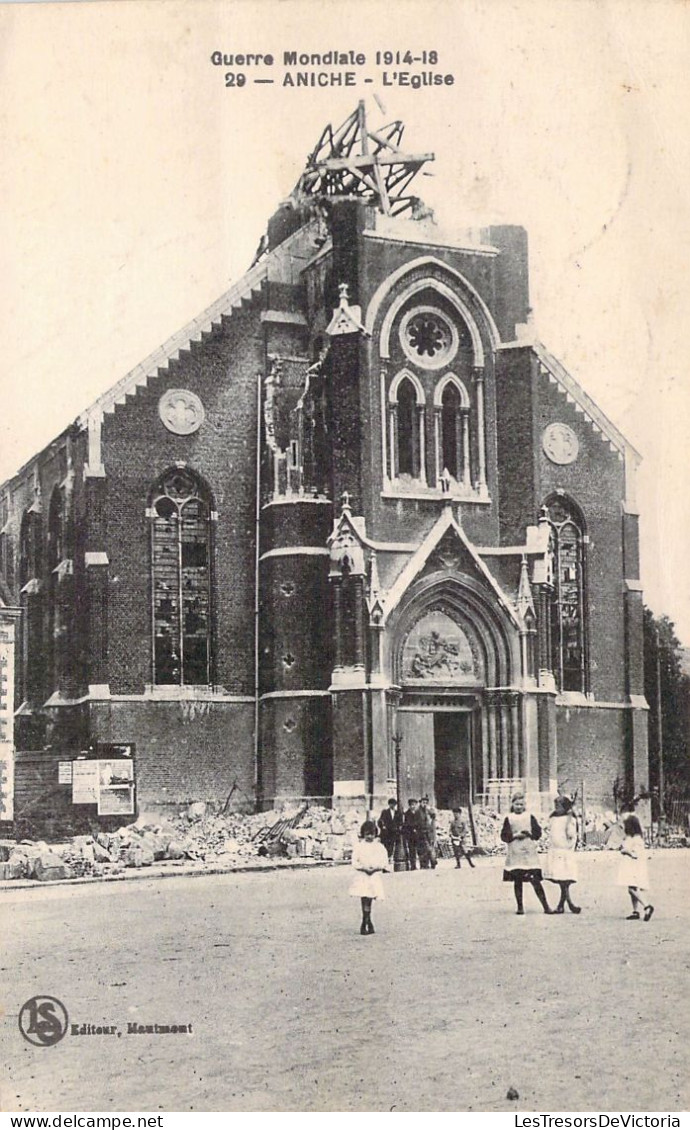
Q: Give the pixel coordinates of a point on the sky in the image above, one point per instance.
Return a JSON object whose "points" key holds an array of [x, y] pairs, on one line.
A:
{"points": [[136, 185]]}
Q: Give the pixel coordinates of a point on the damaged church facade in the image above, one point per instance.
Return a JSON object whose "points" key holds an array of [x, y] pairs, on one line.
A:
{"points": [[351, 531]]}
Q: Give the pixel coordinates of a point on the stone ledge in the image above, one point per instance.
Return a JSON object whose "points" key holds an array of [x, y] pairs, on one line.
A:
{"points": [[172, 871]]}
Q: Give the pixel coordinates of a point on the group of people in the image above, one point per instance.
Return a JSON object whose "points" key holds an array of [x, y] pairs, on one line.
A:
{"points": [[416, 830], [521, 832]]}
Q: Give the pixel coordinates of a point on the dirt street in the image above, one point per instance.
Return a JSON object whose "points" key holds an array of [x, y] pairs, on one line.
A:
{"points": [[451, 1002]]}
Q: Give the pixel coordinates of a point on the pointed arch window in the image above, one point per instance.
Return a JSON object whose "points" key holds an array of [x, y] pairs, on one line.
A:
{"points": [[30, 547], [408, 448], [180, 514], [568, 643], [55, 556], [452, 429], [30, 570], [406, 426], [56, 528]]}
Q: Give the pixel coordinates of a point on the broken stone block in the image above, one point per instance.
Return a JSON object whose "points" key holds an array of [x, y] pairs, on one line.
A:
{"points": [[177, 849], [159, 846], [47, 867], [149, 842], [138, 857], [196, 810], [19, 867]]}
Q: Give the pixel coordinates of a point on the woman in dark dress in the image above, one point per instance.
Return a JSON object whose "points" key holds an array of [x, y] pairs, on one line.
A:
{"points": [[520, 832]]}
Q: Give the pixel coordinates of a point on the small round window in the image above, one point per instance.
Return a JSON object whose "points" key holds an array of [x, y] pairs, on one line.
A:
{"points": [[428, 338]]}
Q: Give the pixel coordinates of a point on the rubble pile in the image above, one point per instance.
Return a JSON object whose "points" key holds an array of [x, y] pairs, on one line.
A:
{"points": [[199, 835], [32, 860], [323, 834], [227, 840], [308, 833]]}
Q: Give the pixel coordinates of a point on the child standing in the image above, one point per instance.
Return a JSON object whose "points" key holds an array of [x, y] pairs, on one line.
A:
{"points": [[561, 864], [458, 837], [369, 859], [520, 832], [632, 870]]}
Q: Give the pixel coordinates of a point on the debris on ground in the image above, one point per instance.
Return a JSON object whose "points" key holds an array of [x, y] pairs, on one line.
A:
{"points": [[198, 834]]}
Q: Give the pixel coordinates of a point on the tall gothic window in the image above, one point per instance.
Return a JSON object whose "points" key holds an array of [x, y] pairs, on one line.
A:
{"points": [[181, 579], [568, 603], [56, 528], [406, 408], [56, 552], [30, 547], [30, 571], [451, 431], [407, 447]]}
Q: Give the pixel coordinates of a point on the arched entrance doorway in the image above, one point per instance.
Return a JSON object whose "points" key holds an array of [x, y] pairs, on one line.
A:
{"points": [[453, 665]]}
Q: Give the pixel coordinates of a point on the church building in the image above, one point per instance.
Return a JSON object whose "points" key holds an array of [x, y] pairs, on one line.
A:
{"points": [[353, 531]]}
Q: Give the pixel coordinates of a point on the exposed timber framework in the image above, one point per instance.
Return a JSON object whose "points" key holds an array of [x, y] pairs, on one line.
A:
{"points": [[357, 161]]}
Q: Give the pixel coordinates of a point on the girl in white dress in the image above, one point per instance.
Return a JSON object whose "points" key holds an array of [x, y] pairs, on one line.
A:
{"points": [[369, 860], [632, 870], [561, 862]]}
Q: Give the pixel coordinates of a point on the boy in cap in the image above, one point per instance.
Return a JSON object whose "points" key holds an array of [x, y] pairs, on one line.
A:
{"points": [[411, 831], [458, 836]]}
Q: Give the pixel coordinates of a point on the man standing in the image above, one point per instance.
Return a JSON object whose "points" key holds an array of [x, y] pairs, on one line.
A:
{"points": [[410, 830], [427, 834], [390, 823]]}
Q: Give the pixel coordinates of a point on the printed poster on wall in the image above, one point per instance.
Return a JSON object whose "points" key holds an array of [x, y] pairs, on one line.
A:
{"points": [[84, 782]]}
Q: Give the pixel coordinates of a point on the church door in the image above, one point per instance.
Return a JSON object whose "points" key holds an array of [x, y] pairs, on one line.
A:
{"points": [[436, 756], [452, 759], [416, 729]]}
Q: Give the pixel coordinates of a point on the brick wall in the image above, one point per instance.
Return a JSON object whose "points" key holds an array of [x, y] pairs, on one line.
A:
{"points": [[591, 747], [516, 439], [296, 745], [43, 807], [137, 449], [185, 751], [595, 481]]}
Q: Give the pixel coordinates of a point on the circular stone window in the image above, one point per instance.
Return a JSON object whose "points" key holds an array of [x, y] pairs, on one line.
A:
{"points": [[428, 338]]}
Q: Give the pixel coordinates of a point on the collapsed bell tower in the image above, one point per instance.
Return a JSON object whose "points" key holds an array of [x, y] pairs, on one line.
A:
{"points": [[312, 610]]}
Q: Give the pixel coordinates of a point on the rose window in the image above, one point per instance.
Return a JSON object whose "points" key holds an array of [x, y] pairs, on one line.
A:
{"points": [[426, 335], [428, 339]]}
